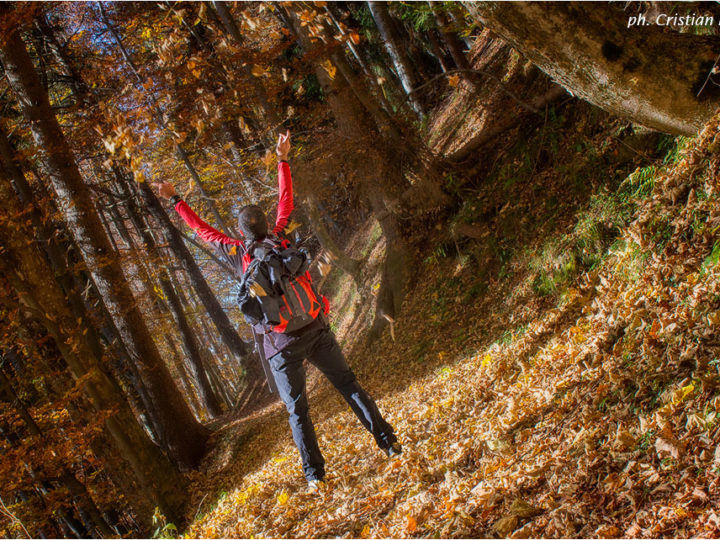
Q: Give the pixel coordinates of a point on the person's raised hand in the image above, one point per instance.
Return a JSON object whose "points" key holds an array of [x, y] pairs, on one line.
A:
{"points": [[283, 145], [166, 190]]}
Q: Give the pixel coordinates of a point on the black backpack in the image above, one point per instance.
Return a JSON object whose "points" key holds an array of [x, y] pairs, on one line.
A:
{"points": [[276, 290]]}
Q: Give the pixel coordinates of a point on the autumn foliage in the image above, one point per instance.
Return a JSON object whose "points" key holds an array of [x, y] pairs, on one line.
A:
{"points": [[528, 284]]}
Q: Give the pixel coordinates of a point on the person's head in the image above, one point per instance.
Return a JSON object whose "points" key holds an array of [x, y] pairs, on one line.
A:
{"points": [[252, 222]]}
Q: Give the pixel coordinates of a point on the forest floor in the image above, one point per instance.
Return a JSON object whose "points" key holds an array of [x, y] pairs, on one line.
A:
{"points": [[557, 374]]}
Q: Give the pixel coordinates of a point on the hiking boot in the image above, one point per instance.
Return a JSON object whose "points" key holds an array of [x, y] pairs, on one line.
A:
{"points": [[316, 486], [393, 450]]}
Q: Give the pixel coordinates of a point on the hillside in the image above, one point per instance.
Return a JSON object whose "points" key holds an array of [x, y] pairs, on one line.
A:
{"points": [[570, 389]]}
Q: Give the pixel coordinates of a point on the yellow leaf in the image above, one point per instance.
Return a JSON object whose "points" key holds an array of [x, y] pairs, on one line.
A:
{"points": [[283, 497], [330, 68], [233, 250], [279, 459], [453, 80], [257, 71], [268, 159], [365, 533], [486, 361], [685, 391], [291, 227]]}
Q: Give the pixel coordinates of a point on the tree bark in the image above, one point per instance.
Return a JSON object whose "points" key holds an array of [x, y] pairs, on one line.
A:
{"points": [[346, 263], [184, 435], [188, 337], [396, 50], [25, 268], [485, 136], [437, 51], [642, 73], [449, 37], [220, 319]]}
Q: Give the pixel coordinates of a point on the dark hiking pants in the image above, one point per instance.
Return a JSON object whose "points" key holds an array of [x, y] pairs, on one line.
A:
{"points": [[321, 349]]}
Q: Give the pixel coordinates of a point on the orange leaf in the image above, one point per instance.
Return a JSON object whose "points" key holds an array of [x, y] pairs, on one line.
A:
{"points": [[411, 524]]}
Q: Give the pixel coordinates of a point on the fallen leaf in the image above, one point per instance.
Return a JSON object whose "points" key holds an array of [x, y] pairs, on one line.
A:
{"points": [[411, 524], [663, 447], [504, 526], [524, 510]]}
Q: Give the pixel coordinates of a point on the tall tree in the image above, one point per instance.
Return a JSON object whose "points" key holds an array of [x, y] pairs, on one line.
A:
{"points": [[396, 51], [149, 204], [27, 270], [184, 436], [189, 339], [381, 178]]}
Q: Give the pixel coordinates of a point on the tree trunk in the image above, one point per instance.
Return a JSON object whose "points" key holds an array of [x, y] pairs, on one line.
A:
{"points": [[397, 269], [352, 121], [75, 285], [346, 263], [184, 435], [644, 73], [485, 136], [369, 75], [437, 51], [188, 337], [177, 361], [80, 89], [27, 272], [220, 319], [449, 36], [396, 50]]}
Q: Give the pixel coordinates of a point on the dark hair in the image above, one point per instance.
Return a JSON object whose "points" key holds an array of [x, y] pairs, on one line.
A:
{"points": [[252, 222]]}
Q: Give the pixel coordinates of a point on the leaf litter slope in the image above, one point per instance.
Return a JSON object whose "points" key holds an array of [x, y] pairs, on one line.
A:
{"points": [[596, 418]]}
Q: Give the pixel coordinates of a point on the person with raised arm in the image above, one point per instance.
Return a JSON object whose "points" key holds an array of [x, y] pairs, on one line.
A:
{"points": [[285, 345]]}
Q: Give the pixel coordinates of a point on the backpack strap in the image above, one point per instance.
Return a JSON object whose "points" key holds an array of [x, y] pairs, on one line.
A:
{"points": [[257, 249]]}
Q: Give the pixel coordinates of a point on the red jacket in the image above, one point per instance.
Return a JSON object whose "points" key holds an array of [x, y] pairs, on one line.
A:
{"points": [[233, 249]]}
